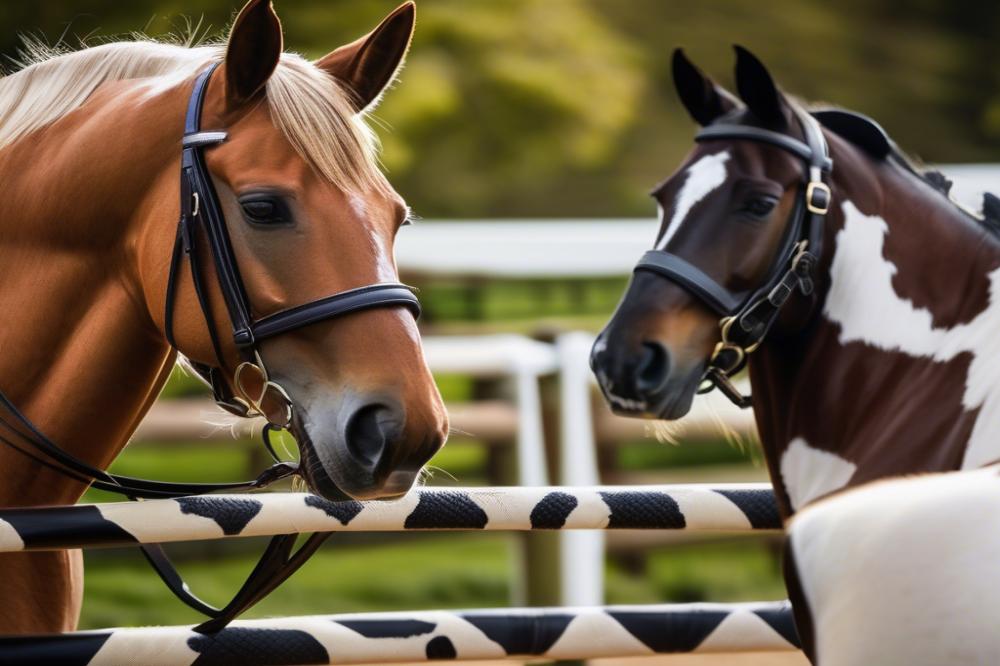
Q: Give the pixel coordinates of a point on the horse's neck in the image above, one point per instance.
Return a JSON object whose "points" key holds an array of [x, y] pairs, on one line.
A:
{"points": [[78, 352], [897, 373]]}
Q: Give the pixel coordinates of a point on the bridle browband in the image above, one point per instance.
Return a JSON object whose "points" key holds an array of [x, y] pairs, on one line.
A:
{"points": [[747, 317], [201, 218]]}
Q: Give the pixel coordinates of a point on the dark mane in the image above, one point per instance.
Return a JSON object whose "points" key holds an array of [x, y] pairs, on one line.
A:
{"points": [[866, 134], [990, 214]]}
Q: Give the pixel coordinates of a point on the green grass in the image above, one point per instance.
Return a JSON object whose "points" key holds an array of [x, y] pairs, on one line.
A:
{"points": [[651, 455], [444, 571], [462, 570]]}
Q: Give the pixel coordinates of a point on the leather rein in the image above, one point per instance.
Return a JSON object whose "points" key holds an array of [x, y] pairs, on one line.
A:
{"points": [[249, 393], [747, 317]]}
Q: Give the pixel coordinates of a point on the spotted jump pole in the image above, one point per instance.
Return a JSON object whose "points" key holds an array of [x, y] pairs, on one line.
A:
{"points": [[727, 507], [383, 638]]}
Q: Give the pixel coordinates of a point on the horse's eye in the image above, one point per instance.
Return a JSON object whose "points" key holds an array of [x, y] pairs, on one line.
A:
{"points": [[760, 207], [265, 209]]}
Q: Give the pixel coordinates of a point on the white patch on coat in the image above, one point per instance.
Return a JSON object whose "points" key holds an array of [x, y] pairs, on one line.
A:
{"points": [[864, 304], [701, 178], [903, 571], [808, 472]]}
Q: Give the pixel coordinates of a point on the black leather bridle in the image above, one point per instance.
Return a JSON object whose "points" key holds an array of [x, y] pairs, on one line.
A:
{"points": [[202, 220], [747, 317], [201, 217]]}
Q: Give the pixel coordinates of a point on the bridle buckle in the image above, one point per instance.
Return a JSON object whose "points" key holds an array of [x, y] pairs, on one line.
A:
{"points": [[818, 197], [726, 345], [262, 396]]}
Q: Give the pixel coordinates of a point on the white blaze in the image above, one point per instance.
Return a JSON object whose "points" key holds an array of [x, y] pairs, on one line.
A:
{"points": [[701, 178]]}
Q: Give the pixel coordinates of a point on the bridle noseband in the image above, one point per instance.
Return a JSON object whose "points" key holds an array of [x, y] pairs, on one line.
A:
{"points": [[201, 217], [746, 317]]}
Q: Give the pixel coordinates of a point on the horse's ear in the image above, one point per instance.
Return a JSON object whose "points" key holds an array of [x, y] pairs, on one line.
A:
{"points": [[253, 52], [757, 88], [368, 65], [702, 98]]}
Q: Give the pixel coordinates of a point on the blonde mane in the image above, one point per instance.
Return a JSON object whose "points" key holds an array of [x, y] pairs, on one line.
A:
{"points": [[306, 104]]}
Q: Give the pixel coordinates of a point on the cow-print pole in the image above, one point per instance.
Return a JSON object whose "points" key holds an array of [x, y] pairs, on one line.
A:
{"points": [[381, 638], [693, 507]]}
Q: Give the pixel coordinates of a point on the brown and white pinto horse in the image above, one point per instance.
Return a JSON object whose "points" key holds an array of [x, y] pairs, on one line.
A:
{"points": [[90, 146], [890, 367]]}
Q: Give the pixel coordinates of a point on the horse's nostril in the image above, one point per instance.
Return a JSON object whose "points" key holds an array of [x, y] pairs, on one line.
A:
{"points": [[369, 432], [653, 368]]}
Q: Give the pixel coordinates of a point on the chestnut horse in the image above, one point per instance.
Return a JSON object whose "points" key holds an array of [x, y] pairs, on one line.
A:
{"points": [[872, 352], [90, 152]]}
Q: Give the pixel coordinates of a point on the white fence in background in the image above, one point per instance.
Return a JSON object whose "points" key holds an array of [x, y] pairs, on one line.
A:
{"points": [[577, 248]]}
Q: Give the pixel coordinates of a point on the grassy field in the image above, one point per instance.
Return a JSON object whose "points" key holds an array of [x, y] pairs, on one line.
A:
{"points": [[460, 570]]}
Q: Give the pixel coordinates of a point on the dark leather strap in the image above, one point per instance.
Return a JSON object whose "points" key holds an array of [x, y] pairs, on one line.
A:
{"points": [[787, 143], [200, 205], [672, 267], [275, 565], [362, 298], [203, 221], [29, 436]]}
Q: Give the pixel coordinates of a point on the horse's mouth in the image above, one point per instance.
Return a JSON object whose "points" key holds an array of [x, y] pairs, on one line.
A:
{"points": [[673, 402], [335, 482], [311, 469]]}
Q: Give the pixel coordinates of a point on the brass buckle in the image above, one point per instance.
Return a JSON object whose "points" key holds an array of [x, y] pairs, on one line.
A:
{"points": [[725, 324], [822, 187], [723, 346]]}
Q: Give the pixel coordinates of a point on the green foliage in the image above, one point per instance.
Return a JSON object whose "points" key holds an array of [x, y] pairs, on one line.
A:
{"points": [[566, 108], [505, 97]]}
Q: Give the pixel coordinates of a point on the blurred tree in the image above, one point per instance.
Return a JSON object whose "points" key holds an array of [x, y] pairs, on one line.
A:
{"points": [[565, 107]]}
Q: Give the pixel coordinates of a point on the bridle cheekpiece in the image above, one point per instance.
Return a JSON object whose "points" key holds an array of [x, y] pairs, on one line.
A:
{"points": [[251, 391]]}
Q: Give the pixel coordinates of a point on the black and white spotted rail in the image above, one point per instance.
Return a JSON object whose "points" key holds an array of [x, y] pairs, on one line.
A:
{"points": [[695, 507], [420, 636]]}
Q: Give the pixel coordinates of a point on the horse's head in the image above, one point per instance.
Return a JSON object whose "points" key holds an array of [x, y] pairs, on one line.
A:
{"points": [[725, 213], [309, 215]]}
